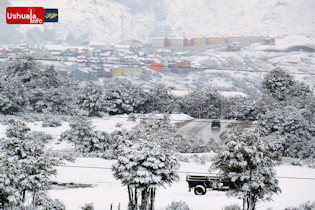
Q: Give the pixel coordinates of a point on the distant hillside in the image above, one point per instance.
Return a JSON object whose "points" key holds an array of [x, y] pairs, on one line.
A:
{"points": [[100, 20]]}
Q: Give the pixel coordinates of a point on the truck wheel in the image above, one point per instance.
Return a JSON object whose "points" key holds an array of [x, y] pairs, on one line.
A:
{"points": [[200, 190]]}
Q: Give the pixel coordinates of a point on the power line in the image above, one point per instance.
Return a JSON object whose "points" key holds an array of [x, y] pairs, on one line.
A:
{"points": [[184, 172], [172, 66]]}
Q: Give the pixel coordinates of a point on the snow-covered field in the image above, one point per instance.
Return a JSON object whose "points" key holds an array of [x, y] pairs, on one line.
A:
{"points": [[297, 183], [106, 190]]}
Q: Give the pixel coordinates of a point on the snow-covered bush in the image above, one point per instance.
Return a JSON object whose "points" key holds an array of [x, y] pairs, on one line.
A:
{"points": [[132, 117], [85, 138], [155, 128], [232, 207], [42, 136], [304, 206], [178, 205], [194, 144], [88, 206], [51, 122], [44, 202]]}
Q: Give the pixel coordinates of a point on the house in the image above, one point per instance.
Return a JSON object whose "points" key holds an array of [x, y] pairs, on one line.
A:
{"points": [[116, 72], [84, 73], [183, 64], [93, 62], [132, 71], [156, 66], [122, 50], [270, 41], [3, 53], [68, 53], [81, 60]]}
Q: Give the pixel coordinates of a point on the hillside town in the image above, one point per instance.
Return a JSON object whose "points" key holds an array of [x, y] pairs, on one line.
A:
{"points": [[130, 57]]}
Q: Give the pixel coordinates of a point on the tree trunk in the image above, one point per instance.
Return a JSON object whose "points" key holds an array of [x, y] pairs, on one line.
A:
{"points": [[152, 197], [133, 202], [244, 203], [144, 199]]}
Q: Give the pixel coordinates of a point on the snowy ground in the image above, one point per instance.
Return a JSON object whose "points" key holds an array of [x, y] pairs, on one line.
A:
{"points": [[107, 190]]}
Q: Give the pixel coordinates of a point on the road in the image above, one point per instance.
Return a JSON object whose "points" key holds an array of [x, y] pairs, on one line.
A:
{"points": [[202, 128]]}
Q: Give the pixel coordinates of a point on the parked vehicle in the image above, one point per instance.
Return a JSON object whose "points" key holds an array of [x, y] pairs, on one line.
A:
{"points": [[215, 124], [200, 183], [240, 117]]}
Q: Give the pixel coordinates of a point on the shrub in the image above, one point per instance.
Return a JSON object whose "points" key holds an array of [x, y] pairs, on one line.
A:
{"points": [[178, 205], [232, 207], [51, 123], [88, 206], [304, 206]]}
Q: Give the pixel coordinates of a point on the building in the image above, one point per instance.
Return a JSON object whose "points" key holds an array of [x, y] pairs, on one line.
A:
{"points": [[159, 42], [116, 72], [156, 66], [215, 40], [231, 39], [270, 41]]}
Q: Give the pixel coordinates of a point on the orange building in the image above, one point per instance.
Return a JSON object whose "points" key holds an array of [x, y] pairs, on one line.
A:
{"points": [[156, 66]]}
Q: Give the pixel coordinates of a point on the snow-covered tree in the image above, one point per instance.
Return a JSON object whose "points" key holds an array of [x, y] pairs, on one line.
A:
{"points": [[25, 163], [161, 100], [91, 98], [12, 95], [203, 103], [142, 166], [122, 96], [24, 82], [85, 139], [298, 132], [248, 164], [9, 182], [158, 129], [278, 83]]}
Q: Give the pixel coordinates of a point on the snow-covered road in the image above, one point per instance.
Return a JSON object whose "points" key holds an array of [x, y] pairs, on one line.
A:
{"points": [[202, 128]]}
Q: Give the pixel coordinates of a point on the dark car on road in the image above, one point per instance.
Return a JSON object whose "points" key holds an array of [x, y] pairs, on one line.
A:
{"points": [[215, 124], [240, 117]]}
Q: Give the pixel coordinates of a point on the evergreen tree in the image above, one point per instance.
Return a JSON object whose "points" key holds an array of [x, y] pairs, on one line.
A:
{"points": [[92, 99], [85, 138], [203, 103], [161, 100], [26, 163], [13, 96], [157, 129], [278, 84], [248, 163], [142, 166], [124, 97]]}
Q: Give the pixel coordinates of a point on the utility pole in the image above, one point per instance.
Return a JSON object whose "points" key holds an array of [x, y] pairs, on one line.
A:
{"points": [[122, 27]]}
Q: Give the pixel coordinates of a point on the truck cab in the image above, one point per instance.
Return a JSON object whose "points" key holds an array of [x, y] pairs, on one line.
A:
{"points": [[200, 183]]}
